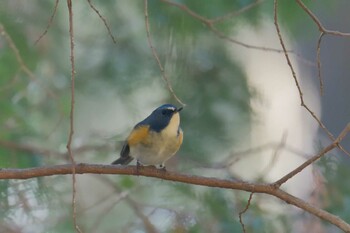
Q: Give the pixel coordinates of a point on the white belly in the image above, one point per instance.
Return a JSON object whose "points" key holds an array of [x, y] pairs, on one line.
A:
{"points": [[162, 146]]}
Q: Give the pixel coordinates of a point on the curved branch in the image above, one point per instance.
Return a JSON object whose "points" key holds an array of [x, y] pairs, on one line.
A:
{"points": [[82, 168], [156, 56]]}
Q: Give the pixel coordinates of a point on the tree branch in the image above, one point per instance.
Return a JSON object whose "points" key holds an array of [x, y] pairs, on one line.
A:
{"points": [[156, 57], [240, 215], [71, 115], [302, 102], [323, 31], [49, 23], [173, 176], [103, 20], [315, 157]]}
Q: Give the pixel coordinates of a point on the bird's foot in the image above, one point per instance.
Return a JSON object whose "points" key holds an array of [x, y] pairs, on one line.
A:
{"points": [[138, 165], [162, 167]]}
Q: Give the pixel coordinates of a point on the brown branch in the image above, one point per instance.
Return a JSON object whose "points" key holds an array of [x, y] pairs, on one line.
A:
{"points": [[21, 62], [149, 227], [173, 176], [315, 157], [236, 13], [321, 28], [302, 102], [104, 21], [210, 24], [286, 53], [318, 61], [155, 54], [18, 56], [245, 210], [71, 116], [275, 155], [236, 156], [107, 210], [323, 31], [49, 23]]}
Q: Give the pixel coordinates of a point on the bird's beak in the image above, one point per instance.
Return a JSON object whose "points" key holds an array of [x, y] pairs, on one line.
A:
{"points": [[179, 109]]}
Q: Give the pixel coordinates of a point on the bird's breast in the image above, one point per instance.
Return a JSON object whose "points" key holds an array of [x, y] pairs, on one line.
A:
{"points": [[171, 130], [159, 146]]}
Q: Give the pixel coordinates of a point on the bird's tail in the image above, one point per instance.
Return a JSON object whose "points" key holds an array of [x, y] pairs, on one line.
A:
{"points": [[123, 160]]}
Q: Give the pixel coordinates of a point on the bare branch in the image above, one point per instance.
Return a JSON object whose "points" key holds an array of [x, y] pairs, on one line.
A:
{"points": [[172, 176], [275, 155], [245, 210], [323, 31], [20, 61], [318, 61], [321, 28], [71, 117], [149, 227], [314, 158], [236, 13], [302, 102], [155, 55], [49, 23], [210, 24], [104, 21], [286, 53]]}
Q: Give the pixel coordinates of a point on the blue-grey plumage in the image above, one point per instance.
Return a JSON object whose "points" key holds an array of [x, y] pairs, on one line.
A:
{"points": [[155, 139]]}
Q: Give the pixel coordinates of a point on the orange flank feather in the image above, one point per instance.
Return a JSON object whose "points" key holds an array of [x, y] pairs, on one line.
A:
{"points": [[138, 135], [181, 135]]}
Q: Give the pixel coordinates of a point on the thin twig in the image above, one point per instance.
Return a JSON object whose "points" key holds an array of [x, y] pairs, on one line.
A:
{"points": [[236, 13], [104, 21], [97, 222], [323, 31], [49, 23], [286, 53], [18, 56], [155, 55], [20, 61], [149, 227], [273, 161], [71, 118], [321, 28], [314, 158], [270, 189], [210, 24], [318, 61], [302, 102], [245, 210], [236, 156]]}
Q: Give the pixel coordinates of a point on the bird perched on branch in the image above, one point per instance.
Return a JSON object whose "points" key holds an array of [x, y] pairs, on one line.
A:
{"points": [[155, 139]]}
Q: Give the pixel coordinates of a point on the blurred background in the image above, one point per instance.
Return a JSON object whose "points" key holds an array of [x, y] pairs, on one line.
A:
{"points": [[242, 118]]}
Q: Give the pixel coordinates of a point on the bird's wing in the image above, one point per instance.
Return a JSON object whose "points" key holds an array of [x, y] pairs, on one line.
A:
{"points": [[180, 137], [125, 150], [138, 135]]}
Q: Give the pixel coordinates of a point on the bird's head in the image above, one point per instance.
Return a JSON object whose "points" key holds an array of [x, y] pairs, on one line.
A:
{"points": [[161, 117]]}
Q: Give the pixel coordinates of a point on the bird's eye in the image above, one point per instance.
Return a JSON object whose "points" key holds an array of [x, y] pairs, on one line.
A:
{"points": [[164, 112]]}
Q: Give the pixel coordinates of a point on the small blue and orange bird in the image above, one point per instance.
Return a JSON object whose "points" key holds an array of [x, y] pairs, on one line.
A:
{"points": [[155, 139]]}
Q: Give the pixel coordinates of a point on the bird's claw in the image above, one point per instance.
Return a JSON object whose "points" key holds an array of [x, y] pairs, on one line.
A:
{"points": [[162, 167]]}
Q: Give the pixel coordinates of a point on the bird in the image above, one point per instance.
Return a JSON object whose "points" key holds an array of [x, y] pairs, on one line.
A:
{"points": [[155, 139]]}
